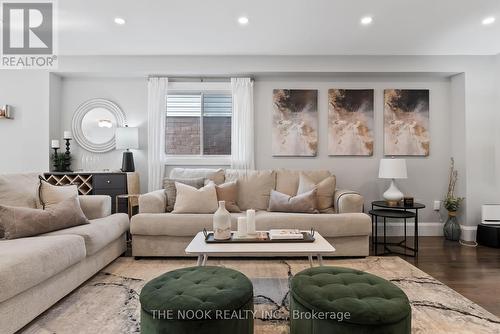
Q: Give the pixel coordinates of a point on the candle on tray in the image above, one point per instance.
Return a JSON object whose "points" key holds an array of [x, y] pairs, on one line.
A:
{"points": [[67, 135], [54, 143], [250, 221], [242, 226]]}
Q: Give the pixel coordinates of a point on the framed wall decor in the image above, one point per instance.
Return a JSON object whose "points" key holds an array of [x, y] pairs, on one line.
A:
{"points": [[295, 122], [350, 122], [406, 122]]}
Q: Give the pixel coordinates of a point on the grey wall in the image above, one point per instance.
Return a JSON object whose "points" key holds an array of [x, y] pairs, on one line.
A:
{"points": [[427, 176], [24, 141], [130, 94]]}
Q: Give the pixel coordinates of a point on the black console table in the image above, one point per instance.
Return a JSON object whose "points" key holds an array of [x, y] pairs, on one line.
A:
{"points": [[395, 212]]}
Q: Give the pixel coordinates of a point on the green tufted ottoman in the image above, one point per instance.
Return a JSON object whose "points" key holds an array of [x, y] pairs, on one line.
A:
{"points": [[197, 300], [342, 300]]}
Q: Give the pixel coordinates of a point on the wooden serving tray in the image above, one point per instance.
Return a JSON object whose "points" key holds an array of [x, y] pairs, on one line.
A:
{"points": [[263, 237]]}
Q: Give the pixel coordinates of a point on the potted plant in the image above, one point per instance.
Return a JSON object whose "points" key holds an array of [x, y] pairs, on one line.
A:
{"points": [[452, 203]]}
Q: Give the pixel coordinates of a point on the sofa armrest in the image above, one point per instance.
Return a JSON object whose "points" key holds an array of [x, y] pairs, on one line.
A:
{"points": [[348, 201], [153, 202], [95, 206]]}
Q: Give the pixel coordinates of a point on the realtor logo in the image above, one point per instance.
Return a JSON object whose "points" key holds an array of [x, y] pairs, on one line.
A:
{"points": [[28, 35]]}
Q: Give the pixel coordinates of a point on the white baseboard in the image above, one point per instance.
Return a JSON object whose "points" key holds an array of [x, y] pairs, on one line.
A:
{"points": [[425, 229]]}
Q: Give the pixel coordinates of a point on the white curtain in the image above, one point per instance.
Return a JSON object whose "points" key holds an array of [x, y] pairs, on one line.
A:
{"points": [[242, 135], [157, 92]]}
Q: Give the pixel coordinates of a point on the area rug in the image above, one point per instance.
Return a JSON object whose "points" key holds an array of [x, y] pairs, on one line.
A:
{"points": [[109, 302]]}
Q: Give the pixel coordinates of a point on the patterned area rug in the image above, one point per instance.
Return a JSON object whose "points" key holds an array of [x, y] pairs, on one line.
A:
{"points": [[109, 302]]}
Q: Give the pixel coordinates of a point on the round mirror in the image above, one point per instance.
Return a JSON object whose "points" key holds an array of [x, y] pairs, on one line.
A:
{"points": [[94, 125]]}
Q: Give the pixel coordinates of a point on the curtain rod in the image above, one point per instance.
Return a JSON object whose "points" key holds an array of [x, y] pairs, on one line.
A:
{"points": [[201, 79]]}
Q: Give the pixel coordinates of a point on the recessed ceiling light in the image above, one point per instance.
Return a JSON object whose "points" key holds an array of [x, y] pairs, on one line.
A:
{"points": [[488, 20], [243, 20], [119, 21], [366, 20]]}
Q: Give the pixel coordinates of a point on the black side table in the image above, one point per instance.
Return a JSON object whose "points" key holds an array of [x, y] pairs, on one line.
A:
{"points": [[396, 212]]}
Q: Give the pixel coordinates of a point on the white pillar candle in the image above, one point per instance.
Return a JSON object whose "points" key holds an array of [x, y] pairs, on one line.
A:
{"points": [[54, 143], [251, 221], [67, 135], [242, 226]]}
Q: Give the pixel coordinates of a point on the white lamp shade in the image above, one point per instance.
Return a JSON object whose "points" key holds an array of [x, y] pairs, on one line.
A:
{"points": [[392, 169], [127, 138]]}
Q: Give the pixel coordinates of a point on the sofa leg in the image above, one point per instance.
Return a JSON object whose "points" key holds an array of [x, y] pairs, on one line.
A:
{"points": [[137, 257]]}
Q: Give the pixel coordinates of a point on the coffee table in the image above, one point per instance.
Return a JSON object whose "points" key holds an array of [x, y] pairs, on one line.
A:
{"points": [[318, 248]]}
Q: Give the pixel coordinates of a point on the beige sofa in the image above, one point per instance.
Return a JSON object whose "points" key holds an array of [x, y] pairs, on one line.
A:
{"points": [[36, 272], [156, 233]]}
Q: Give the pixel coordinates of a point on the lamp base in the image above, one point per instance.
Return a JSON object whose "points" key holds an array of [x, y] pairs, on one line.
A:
{"points": [[128, 162], [393, 195]]}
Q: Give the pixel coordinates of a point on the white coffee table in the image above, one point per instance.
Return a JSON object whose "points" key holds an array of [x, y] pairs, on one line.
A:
{"points": [[318, 248]]}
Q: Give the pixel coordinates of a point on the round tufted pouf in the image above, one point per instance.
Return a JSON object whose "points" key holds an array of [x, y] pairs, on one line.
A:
{"points": [[197, 300], [342, 300]]}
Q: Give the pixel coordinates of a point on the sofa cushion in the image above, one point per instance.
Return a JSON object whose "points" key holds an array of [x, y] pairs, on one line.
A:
{"points": [[99, 233], [19, 190], [287, 181], [192, 200], [305, 203], [51, 195], [27, 262], [216, 175], [171, 224], [328, 225], [16, 222], [254, 187], [228, 192], [171, 189], [325, 193]]}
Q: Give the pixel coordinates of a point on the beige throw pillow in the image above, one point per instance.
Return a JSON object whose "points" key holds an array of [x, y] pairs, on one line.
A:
{"points": [[171, 190], [192, 200], [302, 203], [216, 175], [254, 187], [19, 222], [51, 195], [228, 192], [326, 190]]}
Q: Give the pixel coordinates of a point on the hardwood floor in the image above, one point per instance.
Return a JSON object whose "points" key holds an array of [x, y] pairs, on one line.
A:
{"points": [[473, 272]]}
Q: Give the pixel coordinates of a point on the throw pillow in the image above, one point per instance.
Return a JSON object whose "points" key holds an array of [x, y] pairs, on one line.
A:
{"points": [[192, 200], [171, 190], [19, 222], [227, 192], [254, 187], [51, 195], [216, 175], [302, 203], [326, 190]]}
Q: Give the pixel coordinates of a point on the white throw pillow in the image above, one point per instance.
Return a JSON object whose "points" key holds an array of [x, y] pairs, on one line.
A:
{"points": [[192, 200], [326, 190]]}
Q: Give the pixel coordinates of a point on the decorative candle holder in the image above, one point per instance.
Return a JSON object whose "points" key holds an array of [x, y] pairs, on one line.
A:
{"points": [[67, 156]]}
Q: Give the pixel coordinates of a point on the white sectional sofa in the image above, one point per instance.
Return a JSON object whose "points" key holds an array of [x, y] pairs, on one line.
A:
{"points": [[36, 272], [157, 233]]}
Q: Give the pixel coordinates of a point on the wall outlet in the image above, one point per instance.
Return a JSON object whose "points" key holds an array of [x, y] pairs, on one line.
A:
{"points": [[437, 205]]}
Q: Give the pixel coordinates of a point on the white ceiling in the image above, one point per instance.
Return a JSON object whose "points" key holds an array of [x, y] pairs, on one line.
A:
{"points": [[278, 27]]}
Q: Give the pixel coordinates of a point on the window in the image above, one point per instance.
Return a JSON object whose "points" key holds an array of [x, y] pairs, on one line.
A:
{"points": [[198, 124]]}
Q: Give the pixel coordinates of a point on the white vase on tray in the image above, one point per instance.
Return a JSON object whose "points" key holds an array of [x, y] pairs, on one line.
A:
{"points": [[222, 222]]}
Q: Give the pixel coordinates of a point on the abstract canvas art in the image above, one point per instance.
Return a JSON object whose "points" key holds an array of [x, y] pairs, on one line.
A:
{"points": [[295, 122], [406, 122], [350, 122]]}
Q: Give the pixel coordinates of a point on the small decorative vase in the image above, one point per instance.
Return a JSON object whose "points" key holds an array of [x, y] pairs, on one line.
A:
{"points": [[222, 222], [451, 228]]}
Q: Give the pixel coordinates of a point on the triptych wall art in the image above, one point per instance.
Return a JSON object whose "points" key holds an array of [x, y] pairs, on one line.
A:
{"points": [[295, 122], [351, 122]]}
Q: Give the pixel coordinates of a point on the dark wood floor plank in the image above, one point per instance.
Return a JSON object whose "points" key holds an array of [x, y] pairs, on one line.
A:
{"points": [[473, 272]]}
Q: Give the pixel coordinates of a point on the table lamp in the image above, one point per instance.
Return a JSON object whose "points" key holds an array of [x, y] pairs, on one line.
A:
{"points": [[392, 169], [127, 138]]}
